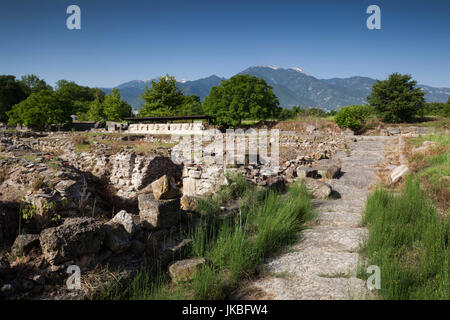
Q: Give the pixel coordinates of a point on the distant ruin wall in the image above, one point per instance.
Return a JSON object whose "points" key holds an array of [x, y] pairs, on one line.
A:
{"points": [[166, 128]]}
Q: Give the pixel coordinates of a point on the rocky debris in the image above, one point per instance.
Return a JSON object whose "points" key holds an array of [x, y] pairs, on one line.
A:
{"points": [[333, 172], [188, 203], [24, 244], [74, 238], [6, 289], [289, 173], [154, 242], [131, 172], [200, 180], [392, 131], [128, 221], [399, 172], [306, 172], [276, 183], [426, 145], [175, 251], [319, 189], [47, 187], [185, 270], [164, 188], [116, 238], [311, 128], [158, 213], [137, 247]]}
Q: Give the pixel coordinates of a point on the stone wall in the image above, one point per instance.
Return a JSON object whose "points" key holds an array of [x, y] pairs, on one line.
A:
{"points": [[198, 180], [166, 128]]}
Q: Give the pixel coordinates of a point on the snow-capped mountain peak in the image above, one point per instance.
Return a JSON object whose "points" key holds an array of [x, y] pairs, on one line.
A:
{"points": [[298, 70]]}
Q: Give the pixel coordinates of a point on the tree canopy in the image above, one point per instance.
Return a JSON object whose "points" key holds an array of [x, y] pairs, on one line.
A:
{"points": [[32, 84], [11, 93], [115, 108], [191, 106], [41, 109], [80, 96], [163, 98], [396, 99], [241, 97]]}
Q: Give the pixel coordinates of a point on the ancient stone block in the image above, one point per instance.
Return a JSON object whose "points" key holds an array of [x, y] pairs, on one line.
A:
{"points": [[158, 213], [24, 243], [184, 270], [74, 238], [164, 188]]}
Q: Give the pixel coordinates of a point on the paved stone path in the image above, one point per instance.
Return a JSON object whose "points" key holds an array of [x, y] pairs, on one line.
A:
{"points": [[323, 264]]}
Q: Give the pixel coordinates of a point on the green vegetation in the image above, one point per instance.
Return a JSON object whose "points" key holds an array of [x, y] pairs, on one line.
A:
{"points": [[233, 247], [297, 111], [409, 241], [111, 108], [397, 99], [438, 109], [41, 109], [32, 102], [11, 93], [433, 168], [162, 98], [241, 97], [353, 117]]}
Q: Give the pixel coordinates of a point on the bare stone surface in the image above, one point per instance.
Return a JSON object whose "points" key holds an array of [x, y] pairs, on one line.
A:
{"points": [[164, 188], [399, 172], [116, 237], [24, 243], [128, 221], [184, 270], [319, 189], [158, 213], [74, 238], [323, 264]]}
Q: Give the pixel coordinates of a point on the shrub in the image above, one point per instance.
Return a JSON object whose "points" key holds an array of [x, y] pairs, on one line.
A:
{"points": [[353, 117]]}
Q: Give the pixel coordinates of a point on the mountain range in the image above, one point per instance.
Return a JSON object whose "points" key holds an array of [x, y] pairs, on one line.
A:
{"points": [[292, 86]]}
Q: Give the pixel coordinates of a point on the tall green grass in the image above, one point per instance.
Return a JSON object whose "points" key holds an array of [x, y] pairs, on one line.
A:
{"points": [[409, 241], [233, 247]]}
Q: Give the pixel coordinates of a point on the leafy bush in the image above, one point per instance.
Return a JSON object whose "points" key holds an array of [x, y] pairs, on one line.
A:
{"points": [[353, 117]]}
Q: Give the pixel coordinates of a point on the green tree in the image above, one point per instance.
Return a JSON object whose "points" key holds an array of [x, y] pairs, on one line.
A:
{"points": [[115, 108], [41, 109], [33, 84], [11, 93], [191, 106], [80, 96], [95, 112], [163, 98], [241, 97], [446, 108], [396, 99]]}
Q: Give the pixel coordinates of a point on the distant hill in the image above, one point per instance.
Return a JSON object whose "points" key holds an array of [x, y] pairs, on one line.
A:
{"points": [[292, 86]]}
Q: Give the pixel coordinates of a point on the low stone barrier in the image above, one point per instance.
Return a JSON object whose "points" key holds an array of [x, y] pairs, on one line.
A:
{"points": [[166, 128]]}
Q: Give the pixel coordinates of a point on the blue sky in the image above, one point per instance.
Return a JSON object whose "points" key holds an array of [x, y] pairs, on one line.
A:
{"points": [[127, 40]]}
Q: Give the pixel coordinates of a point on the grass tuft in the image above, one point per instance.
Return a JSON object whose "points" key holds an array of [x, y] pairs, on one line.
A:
{"points": [[409, 241], [233, 247]]}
